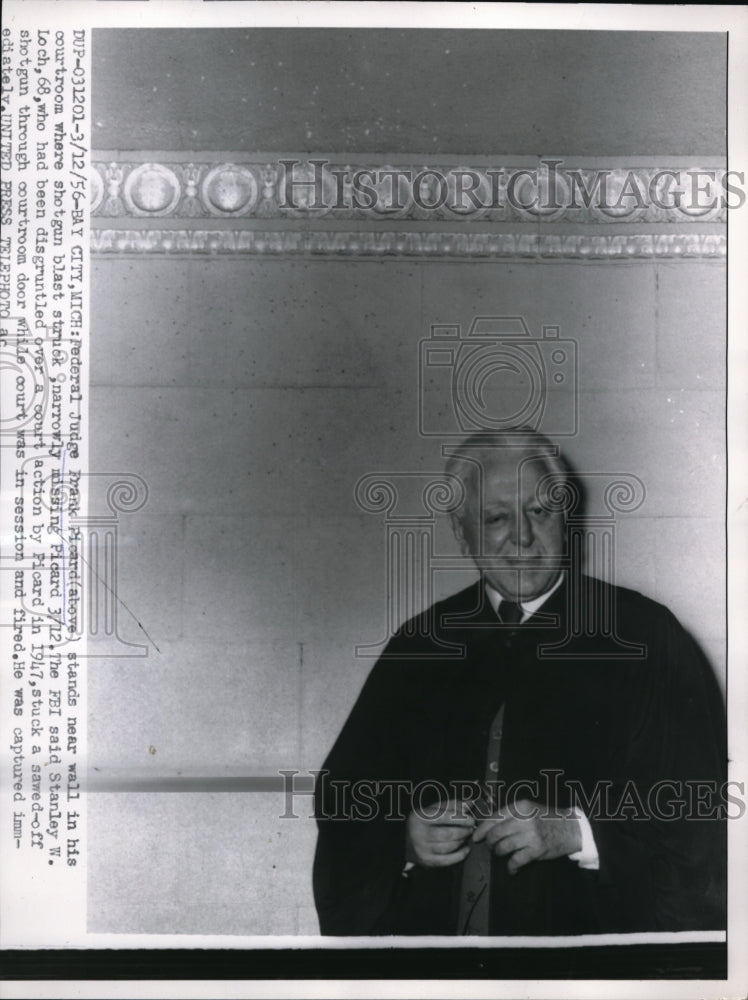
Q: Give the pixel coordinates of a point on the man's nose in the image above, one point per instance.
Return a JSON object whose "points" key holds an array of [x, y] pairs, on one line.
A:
{"points": [[523, 533]]}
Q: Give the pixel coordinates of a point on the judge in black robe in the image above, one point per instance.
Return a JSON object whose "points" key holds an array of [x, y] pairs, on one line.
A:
{"points": [[625, 722]]}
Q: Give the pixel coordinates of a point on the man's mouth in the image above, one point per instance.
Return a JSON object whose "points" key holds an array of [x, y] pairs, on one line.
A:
{"points": [[521, 562]]}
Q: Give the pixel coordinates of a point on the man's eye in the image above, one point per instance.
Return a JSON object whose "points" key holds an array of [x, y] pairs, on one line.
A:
{"points": [[538, 511], [495, 518]]}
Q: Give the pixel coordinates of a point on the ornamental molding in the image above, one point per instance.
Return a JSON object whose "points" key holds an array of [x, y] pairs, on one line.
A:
{"points": [[423, 245], [246, 187]]}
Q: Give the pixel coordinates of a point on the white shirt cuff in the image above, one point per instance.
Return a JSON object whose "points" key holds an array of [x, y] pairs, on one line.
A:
{"points": [[587, 857]]}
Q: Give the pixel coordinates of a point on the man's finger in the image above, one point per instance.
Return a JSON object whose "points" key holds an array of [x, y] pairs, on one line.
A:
{"points": [[444, 846], [448, 834], [506, 828], [500, 822], [519, 859], [444, 860], [448, 819], [482, 829], [451, 812], [505, 845], [522, 809]]}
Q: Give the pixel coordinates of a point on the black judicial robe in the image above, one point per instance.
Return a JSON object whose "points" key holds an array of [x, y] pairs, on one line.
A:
{"points": [[607, 722]]}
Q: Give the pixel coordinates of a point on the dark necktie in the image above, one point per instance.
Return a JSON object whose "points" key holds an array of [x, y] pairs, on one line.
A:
{"points": [[473, 913], [510, 613]]}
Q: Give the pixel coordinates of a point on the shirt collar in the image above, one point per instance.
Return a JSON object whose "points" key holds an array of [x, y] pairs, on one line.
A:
{"points": [[528, 607]]}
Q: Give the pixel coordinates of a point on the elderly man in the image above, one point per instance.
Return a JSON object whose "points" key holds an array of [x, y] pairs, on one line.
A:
{"points": [[541, 753]]}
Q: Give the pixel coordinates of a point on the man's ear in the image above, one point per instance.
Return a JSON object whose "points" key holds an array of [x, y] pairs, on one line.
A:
{"points": [[458, 531]]}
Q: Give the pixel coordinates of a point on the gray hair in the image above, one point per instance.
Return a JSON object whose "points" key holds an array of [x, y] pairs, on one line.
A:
{"points": [[470, 456]]}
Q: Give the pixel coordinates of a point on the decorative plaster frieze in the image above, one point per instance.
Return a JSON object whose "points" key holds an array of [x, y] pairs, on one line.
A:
{"points": [[316, 188], [424, 245]]}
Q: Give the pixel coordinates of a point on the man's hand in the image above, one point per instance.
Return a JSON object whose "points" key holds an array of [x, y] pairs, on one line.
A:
{"points": [[525, 833], [439, 840]]}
